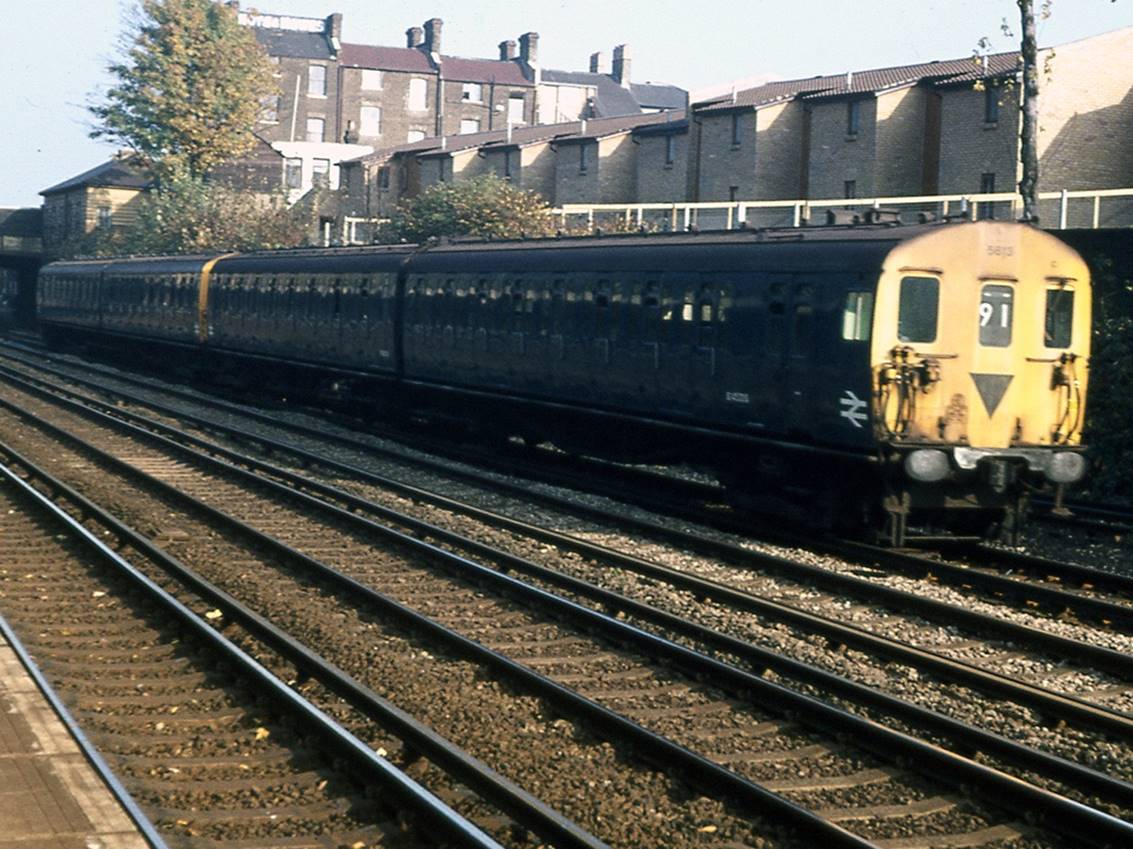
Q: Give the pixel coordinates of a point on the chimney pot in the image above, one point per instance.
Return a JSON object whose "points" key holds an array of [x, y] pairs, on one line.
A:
{"points": [[507, 51], [529, 48], [414, 36], [621, 65], [433, 35]]}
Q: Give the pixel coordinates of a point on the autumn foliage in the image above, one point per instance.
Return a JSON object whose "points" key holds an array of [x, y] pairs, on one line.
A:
{"points": [[189, 89]]}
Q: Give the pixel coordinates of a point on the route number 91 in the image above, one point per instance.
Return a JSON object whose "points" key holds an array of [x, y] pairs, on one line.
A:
{"points": [[996, 304]]}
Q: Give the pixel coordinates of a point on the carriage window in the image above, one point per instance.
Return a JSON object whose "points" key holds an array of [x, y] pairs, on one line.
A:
{"points": [[920, 302], [1059, 318], [996, 304], [857, 316]]}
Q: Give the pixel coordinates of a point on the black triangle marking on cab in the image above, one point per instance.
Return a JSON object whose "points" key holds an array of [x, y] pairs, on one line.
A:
{"points": [[991, 388]]}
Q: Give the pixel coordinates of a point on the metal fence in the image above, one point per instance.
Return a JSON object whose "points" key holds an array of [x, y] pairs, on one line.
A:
{"points": [[1064, 209], [1089, 209]]}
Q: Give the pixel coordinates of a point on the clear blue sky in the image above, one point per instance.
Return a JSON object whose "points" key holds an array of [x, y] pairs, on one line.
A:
{"points": [[55, 51]]}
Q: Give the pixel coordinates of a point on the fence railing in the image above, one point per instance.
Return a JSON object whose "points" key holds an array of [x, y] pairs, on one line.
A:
{"points": [[1089, 209], [1086, 209]]}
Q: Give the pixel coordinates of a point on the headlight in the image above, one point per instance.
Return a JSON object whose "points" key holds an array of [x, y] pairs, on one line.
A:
{"points": [[1065, 467], [927, 465]]}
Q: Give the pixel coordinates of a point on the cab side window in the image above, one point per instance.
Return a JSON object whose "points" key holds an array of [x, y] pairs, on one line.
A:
{"points": [[917, 314], [1059, 318]]}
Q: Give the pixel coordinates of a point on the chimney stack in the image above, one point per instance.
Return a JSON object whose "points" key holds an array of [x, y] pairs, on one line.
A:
{"points": [[621, 65], [507, 51], [333, 29], [598, 63], [414, 36], [529, 48], [433, 35]]}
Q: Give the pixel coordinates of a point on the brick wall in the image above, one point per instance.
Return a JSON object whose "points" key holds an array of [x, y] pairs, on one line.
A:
{"points": [[289, 73], [900, 142], [393, 99], [970, 146], [657, 180], [537, 170], [836, 155], [724, 164], [779, 152], [1086, 114]]}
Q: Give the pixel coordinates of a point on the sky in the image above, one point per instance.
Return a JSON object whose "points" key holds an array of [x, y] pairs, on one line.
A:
{"points": [[55, 52]]}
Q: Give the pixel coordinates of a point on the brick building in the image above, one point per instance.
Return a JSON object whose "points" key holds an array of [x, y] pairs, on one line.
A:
{"points": [[370, 97], [106, 196], [589, 161], [949, 127]]}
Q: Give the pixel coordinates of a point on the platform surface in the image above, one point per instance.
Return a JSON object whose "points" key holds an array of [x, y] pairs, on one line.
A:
{"points": [[50, 796]]}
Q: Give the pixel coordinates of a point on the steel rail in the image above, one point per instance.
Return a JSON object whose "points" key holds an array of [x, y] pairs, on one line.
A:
{"points": [[527, 810], [1106, 659], [446, 822], [1053, 811], [1051, 704], [1107, 612], [664, 753], [89, 751]]}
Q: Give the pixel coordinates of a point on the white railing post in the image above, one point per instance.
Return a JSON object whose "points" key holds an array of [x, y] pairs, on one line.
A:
{"points": [[640, 216], [1097, 210], [741, 216], [731, 214], [1063, 202], [688, 216], [797, 215]]}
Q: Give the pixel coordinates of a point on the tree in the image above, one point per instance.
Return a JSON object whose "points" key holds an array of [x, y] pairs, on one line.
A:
{"points": [[481, 206], [190, 88], [1029, 134]]}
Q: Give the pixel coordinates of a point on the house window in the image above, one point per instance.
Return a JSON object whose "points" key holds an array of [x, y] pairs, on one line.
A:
{"points": [[850, 189], [317, 80], [853, 117], [987, 186], [472, 92], [316, 127], [371, 80], [293, 173], [515, 109], [733, 193], [735, 129], [383, 177], [370, 120], [507, 164], [320, 172], [105, 219], [469, 125], [441, 170], [418, 91], [415, 135], [583, 158], [269, 109], [991, 104], [670, 150]]}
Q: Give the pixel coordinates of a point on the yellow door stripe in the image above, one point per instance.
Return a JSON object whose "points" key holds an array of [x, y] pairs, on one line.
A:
{"points": [[203, 297]]}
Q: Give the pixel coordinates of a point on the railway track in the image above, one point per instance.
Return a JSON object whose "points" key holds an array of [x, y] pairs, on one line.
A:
{"points": [[205, 740], [478, 620]]}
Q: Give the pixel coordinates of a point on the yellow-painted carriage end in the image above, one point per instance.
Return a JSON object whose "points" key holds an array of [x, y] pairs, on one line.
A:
{"points": [[981, 338]]}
